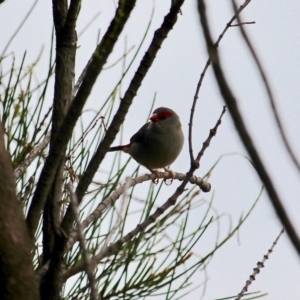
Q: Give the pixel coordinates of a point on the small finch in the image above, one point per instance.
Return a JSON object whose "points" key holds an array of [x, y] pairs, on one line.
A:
{"points": [[158, 143]]}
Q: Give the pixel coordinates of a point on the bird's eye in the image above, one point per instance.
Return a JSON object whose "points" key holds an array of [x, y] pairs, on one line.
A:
{"points": [[163, 117]]}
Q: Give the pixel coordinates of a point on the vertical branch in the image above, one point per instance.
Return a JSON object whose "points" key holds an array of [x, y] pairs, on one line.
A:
{"points": [[66, 44]]}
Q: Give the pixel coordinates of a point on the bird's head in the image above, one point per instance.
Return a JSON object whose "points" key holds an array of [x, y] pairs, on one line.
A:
{"points": [[162, 114]]}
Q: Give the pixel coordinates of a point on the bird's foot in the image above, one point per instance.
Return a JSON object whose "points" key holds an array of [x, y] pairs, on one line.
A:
{"points": [[172, 176], [157, 175]]}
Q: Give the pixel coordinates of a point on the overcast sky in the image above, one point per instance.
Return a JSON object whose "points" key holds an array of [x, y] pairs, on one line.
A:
{"points": [[174, 75]]}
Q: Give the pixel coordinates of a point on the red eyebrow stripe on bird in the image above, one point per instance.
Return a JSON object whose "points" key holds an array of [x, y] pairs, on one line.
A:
{"points": [[160, 116], [165, 114]]}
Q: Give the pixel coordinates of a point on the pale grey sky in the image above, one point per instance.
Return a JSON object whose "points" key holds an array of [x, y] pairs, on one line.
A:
{"points": [[173, 77]]}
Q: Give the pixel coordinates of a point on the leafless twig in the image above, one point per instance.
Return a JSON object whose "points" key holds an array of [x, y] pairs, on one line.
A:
{"points": [[90, 22], [216, 44], [256, 270], [242, 23], [119, 59]]}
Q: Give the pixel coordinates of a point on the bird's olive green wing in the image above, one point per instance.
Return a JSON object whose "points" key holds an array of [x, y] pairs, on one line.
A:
{"points": [[139, 137]]}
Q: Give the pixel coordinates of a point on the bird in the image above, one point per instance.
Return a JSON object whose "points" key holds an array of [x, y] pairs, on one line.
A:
{"points": [[158, 143]]}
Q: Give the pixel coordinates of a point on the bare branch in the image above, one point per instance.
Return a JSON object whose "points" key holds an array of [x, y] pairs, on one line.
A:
{"points": [[60, 10], [72, 16], [64, 18], [231, 102], [212, 133], [216, 44], [242, 23], [256, 270], [103, 206]]}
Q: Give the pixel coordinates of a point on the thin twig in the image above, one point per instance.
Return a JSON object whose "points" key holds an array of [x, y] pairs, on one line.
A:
{"points": [[256, 270], [80, 142], [86, 255], [119, 59], [216, 44], [89, 23], [21, 25], [212, 133], [243, 23]]}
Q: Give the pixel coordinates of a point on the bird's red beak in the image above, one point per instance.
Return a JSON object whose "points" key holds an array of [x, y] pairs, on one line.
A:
{"points": [[154, 118]]}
